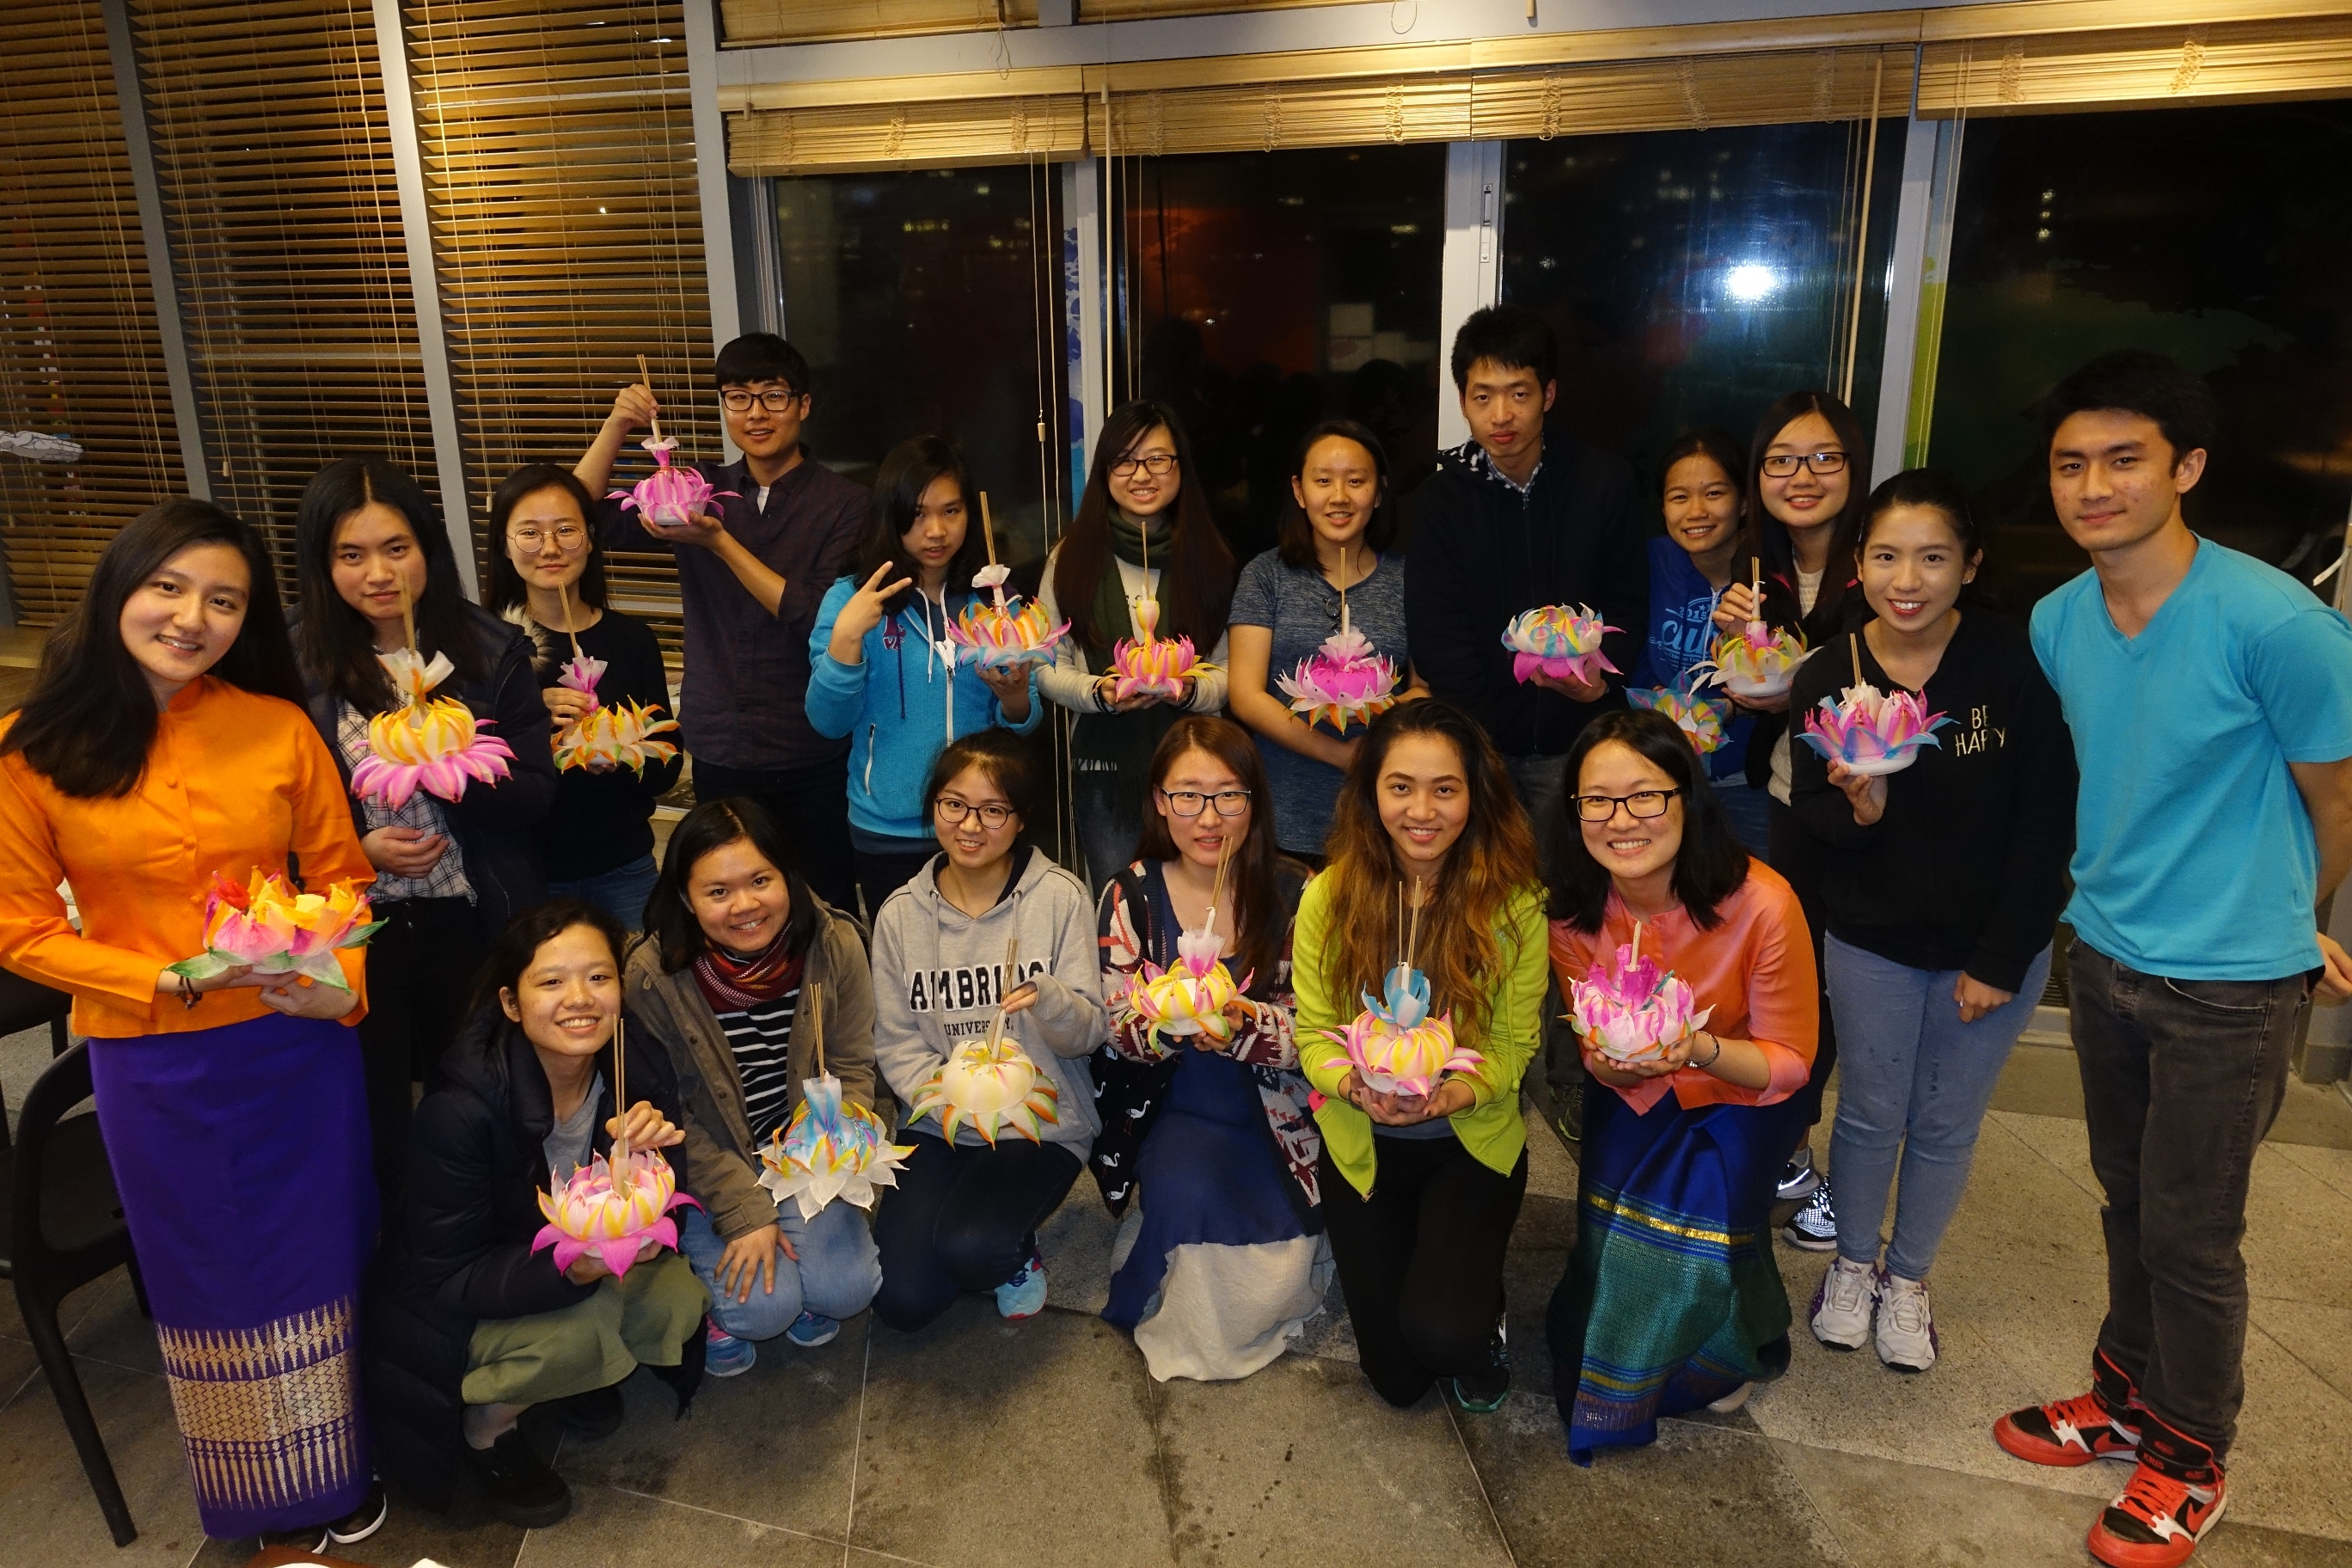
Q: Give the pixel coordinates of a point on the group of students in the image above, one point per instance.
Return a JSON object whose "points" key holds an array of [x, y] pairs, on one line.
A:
{"points": [[863, 866]]}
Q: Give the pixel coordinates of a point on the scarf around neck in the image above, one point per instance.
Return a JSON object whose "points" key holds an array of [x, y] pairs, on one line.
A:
{"points": [[1111, 616], [733, 984]]}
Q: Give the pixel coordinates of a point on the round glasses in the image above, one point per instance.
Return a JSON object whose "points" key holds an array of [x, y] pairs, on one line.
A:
{"points": [[1157, 465], [1642, 804], [1782, 464], [950, 811], [1188, 803], [568, 536]]}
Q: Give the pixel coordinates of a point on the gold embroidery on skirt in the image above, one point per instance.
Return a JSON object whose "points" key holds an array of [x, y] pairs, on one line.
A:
{"points": [[269, 1416]]}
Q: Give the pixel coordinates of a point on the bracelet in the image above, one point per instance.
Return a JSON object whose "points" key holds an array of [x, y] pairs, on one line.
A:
{"points": [[1713, 1059], [189, 995]]}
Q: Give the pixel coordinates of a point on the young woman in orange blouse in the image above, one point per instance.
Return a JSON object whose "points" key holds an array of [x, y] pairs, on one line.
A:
{"points": [[163, 746]]}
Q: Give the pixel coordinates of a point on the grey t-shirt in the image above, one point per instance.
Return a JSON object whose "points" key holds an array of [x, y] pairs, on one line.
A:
{"points": [[1300, 608], [569, 1141]]}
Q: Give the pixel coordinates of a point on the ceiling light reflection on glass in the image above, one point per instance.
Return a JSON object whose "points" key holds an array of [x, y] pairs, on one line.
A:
{"points": [[1751, 282]]}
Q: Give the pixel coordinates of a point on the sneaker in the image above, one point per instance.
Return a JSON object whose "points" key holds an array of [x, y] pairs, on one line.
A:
{"points": [[2158, 1520], [1813, 1228], [1482, 1392], [811, 1330], [520, 1487], [2069, 1431], [1841, 1306], [307, 1539], [1906, 1327], [1799, 1180], [362, 1522], [724, 1355], [595, 1414], [1023, 1295]]}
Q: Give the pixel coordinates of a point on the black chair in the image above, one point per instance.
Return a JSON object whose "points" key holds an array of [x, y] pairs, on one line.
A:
{"points": [[65, 1229], [27, 1005]]}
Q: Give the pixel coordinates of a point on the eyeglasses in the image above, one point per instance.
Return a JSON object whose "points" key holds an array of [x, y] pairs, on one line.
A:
{"points": [[1157, 465], [1782, 464], [1642, 804], [568, 536], [1187, 802], [773, 402], [950, 811]]}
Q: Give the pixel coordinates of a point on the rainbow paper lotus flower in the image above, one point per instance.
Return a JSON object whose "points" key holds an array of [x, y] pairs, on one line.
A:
{"points": [[1871, 732], [830, 1150], [270, 928], [616, 737], [1701, 722], [1558, 641], [1007, 634], [668, 495], [1395, 1047], [1343, 682], [992, 1085], [428, 742], [594, 1213], [1155, 667], [1188, 997], [1755, 661], [1632, 1011]]}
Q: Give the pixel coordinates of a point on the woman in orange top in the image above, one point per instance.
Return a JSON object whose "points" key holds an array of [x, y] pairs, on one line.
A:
{"points": [[1672, 1299], [163, 745]]}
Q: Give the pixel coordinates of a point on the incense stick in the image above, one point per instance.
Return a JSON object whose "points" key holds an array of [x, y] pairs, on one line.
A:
{"points": [[1005, 984], [1637, 946], [1857, 659], [563, 597], [817, 1022], [647, 377], [1343, 591], [619, 1163]]}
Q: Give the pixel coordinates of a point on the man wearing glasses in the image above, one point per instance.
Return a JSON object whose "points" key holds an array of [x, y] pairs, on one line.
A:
{"points": [[751, 578]]}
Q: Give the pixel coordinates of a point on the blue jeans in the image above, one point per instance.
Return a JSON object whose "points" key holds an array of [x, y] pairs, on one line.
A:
{"points": [[620, 892], [1748, 810], [1913, 1077], [836, 1275]]}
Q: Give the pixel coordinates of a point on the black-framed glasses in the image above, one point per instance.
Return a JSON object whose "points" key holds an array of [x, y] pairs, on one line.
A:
{"points": [[568, 536], [1780, 465], [1157, 465], [950, 811], [739, 401], [1642, 804], [1188, 803]]}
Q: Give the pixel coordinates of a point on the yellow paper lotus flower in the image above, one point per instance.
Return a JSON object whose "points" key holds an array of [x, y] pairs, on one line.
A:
{"points": [[268, 927], [992, 1085], [616, 737]]}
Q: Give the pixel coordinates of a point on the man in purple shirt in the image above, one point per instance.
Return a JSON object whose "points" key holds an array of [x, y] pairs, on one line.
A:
{"points": [[751, 578]]}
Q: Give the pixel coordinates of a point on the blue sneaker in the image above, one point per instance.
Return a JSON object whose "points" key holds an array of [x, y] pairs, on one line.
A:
{"points": [[810, 1330], [724, 1355], [1023, 1295]]}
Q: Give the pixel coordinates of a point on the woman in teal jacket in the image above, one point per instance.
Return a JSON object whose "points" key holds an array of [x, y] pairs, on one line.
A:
{"points": [[882, 670]]}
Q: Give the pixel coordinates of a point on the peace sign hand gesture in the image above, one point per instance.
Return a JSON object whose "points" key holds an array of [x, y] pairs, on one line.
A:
{"points": [[863, 614]]}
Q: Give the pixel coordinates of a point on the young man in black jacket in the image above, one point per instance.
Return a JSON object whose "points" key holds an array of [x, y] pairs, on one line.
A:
{"points": [[1521, 515]]}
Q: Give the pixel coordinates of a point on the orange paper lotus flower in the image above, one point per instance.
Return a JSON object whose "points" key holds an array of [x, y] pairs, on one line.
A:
{"points": [[1007, 634], [270, 928], [616, 737]]}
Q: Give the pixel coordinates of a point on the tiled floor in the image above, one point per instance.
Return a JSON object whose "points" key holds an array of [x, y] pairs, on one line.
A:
{"points": [[979, 1443]]}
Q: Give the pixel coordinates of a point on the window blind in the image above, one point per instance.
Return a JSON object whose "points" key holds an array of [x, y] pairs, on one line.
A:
{"points": [[953, 134], [2277, 58], [79, 354], [750, 22]]}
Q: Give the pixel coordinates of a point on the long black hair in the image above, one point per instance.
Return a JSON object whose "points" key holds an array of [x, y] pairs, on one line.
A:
{"points": [[91, 715], [1709, 867], [911, 469], [1767, 536], [336, 645], [506, 590], [715, 824], [1296, 540], [1196, 583], [532, 929]]}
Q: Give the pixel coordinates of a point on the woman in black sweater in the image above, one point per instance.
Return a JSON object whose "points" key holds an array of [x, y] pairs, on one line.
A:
{"points": [[1940, 887]]}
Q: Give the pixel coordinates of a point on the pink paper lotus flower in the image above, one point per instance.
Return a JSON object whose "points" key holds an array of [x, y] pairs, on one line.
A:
{"points": [[1871, 732], [832, 1149], [1395, 1047], [1343, 682], [992, 1085], [1632, 1012], [1755, 661], [580, 674], [1188, 997], [1154, 667], [1558, 641], [268, 927], [669, 496], [429, 743], [1012, 634], [1701, 722], [593, 1212]]}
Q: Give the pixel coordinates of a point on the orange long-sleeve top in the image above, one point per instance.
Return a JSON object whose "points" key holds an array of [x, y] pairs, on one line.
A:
{"points": [[1755, 968], [233, 780]]}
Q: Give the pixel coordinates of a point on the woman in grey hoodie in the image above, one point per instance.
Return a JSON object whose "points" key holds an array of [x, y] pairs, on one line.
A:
{"points": [[965, 1213]]}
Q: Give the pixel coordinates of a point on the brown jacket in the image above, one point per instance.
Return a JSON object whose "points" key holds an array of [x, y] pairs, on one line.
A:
{"points": [[719, 1148]]}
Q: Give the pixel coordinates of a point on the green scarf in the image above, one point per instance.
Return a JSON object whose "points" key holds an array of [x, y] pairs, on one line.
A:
{"points": [[1111, 615], [1117, 747]]}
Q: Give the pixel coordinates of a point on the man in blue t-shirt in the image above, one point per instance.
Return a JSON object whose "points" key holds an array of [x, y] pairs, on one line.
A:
{"points": [[2211, 700]]}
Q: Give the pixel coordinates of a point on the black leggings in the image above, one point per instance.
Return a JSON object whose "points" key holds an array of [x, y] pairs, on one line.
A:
{"points": [[1421, 1260], [419, 969], [962, 1217]]}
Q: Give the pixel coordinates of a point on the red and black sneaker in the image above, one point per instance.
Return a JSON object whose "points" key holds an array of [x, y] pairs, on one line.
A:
{"points": [[2069, 1431], [2159, 1519]]}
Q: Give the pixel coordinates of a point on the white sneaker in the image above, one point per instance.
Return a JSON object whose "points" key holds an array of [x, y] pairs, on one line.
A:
{"points": [[1841, 1306], [1907, 1326]]}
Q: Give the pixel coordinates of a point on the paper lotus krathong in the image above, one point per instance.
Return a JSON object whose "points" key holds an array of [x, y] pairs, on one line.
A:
{"points": [[268, 927], [1155, 667], [1871, 732], [1557, 640], [832, 1149], [1004, 634], [428, 742], [669, 496], [1632, 1010], [1755, 662], [594, 1212], [1395, 1047], [1343, 682], [1188, 997], [989, 1082], [1700, 721]]}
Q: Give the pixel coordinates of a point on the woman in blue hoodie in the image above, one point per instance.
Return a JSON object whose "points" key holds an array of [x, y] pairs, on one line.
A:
{"points": [[882, 669]]}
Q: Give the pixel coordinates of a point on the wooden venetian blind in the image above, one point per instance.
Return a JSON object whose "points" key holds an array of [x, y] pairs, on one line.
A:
{"points": [[2277, 58], [748, 22], [558, 156], [268, 120], [952, 134], [79, 350]]}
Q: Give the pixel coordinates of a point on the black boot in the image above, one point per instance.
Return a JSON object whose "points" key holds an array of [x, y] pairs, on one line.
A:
{"points": [[595, 1414], [521, 1488]]}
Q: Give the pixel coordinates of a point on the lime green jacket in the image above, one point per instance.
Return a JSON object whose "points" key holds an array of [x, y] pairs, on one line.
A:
{"points": [[1490, 1129]]}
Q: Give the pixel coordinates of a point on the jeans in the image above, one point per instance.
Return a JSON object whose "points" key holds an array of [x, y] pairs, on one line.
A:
{"points": [[836, 1275], [963, 1217], [811, 804], [620, 892], [1917, 1079], [1110, 819], [2180, 1081]]}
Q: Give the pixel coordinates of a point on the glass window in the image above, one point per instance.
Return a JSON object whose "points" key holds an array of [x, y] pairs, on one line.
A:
{"points": [[2206, 233], [1695, 276], [1269, 290], [924, 308]]}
